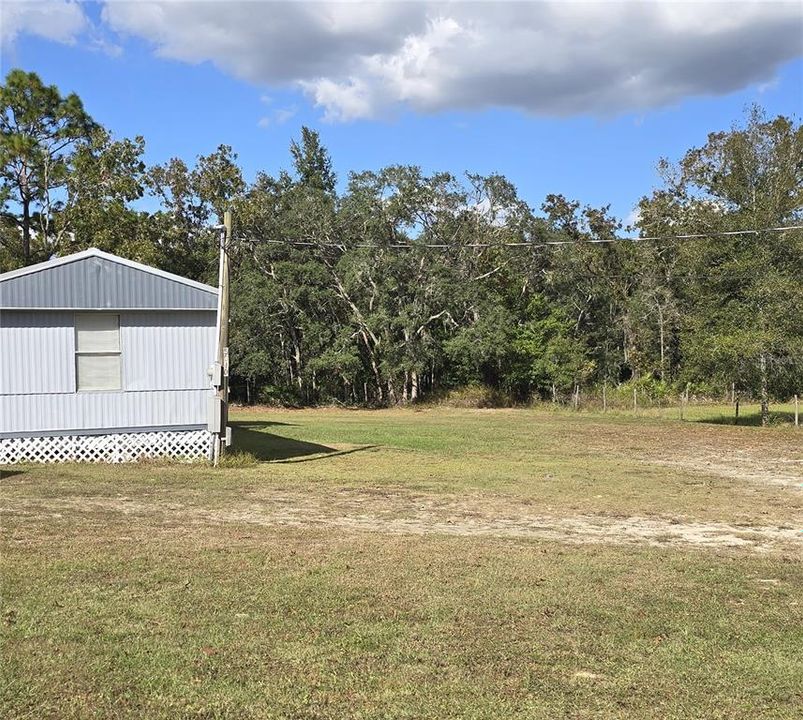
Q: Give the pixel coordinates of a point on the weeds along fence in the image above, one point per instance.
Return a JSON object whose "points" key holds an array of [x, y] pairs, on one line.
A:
{"points": [[631, 397], [643, 398], [610, 398], [723, 410]]}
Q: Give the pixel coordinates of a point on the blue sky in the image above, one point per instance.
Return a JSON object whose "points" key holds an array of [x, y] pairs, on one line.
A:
{"points": [[598, 145]]}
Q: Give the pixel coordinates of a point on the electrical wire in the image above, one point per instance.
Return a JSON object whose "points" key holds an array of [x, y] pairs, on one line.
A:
{"points": [[537, 244]]}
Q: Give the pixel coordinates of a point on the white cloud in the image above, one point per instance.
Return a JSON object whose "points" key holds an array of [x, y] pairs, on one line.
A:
{"points": [[59, 20], [282, 115], [102, 44], [359, 60], [633, 217], [342, 100], [278, 117]]}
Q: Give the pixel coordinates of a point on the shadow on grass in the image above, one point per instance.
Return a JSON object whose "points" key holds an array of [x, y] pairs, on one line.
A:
{"points": [[334, 453], [253, 438], [751, 419], [5, 474], [250, 437]]}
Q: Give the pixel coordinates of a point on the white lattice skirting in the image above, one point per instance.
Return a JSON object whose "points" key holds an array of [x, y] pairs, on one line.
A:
{"points": [[114, 448]]}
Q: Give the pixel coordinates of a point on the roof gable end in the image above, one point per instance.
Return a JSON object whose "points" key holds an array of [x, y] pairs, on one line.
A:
{"points": [[94, 279]]}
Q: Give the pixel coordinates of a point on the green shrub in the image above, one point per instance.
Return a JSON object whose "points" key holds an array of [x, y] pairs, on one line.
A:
{"points": [[476, 396]]}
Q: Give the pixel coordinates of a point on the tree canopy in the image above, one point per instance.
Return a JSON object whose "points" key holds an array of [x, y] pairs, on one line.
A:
{"points": [[401, 284]]}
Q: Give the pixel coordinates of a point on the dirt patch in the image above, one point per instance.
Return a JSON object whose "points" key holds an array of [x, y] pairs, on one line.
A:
{"points": [[587, 675], [581, 529], [401, 512], [741, 454], [738, 464]]}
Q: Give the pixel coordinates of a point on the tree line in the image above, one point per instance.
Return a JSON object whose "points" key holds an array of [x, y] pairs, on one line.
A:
{"points": [[401, 285]]}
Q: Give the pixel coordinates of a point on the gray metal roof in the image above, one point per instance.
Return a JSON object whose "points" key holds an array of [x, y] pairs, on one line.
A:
{"points": [[95, 280]]}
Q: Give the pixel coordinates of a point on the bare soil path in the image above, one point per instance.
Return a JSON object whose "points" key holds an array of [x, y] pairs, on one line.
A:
{"points": [[400, 511]]}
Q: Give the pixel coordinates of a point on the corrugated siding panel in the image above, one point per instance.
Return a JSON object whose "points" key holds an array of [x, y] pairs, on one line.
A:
{"points": [[98, 284], [93, 411], [167, 350], [36, 352]]}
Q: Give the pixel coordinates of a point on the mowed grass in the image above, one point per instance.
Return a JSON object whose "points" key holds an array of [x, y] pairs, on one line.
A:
{"points": [[619, 463], [182, 591]]}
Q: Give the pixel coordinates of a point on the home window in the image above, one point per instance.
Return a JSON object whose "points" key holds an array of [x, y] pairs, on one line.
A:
{"points": [[97, 352]]}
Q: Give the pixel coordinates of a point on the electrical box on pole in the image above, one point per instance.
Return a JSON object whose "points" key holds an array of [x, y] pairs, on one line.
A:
{"points": [[216, 375], [216, 425]]}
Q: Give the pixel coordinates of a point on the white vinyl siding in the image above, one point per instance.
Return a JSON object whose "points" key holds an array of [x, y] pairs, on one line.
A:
{"points": [[37, 352], [97, 352], [78, 412], [165, 356], [167, 350]]}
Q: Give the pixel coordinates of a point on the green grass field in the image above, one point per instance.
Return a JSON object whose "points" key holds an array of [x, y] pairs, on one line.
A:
{"points": [[427, 563]]}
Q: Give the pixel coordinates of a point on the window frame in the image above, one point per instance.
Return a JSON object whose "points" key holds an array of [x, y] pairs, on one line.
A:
{"points": [[97, 353]]}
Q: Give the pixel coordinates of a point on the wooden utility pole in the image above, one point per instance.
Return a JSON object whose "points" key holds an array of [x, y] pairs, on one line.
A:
{"points": [[220, 413]]}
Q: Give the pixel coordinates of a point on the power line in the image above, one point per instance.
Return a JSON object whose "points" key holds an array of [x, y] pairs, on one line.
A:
{"points": [[543, 243]]}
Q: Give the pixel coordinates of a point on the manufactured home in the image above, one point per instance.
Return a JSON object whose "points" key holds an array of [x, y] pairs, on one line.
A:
{"points": [[104, 359]]}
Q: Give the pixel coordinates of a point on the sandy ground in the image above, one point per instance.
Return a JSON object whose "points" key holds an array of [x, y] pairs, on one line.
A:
{"points": [[738, 464], [722, 452], [401, 512], [706, 453]]}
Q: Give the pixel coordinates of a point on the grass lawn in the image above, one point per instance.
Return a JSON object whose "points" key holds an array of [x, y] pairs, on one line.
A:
{"points": [[424, 563]]}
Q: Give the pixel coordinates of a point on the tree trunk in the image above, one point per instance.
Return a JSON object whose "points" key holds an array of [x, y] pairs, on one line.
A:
{"points": [[297, 359], [661, 334], [414, 386], [26, 217], [374, 367], [26, 231], [625, 356], [765, 402]]}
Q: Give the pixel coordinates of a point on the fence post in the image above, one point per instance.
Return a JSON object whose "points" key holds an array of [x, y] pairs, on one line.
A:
{"points": [[604, 398], [686, 395], [737, 410], [797, 412], [635, 400]]}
